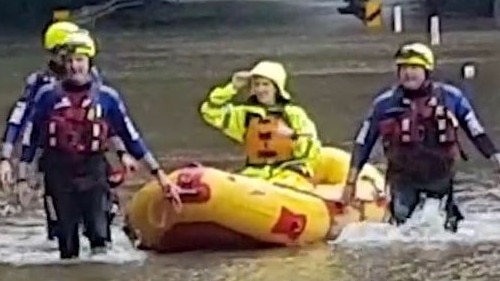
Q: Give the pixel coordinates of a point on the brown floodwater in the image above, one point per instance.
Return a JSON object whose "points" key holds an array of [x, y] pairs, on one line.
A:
{"points": [[336, 68]]}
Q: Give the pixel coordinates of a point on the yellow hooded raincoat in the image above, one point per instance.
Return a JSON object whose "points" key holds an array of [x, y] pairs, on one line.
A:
{"points": [[294, 168]]}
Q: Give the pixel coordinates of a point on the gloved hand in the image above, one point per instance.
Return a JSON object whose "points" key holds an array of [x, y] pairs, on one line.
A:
{"points": [[6, 175]]}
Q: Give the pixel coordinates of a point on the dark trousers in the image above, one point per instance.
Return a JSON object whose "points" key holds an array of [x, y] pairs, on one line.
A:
{"points": [[51, 218], [48, 205], [79, 192], [405, 197], [110, 215]]}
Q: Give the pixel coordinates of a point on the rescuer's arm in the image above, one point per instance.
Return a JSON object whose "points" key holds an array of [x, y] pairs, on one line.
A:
{"points": [[365, 139], [31, 137], [470, 123], [116, 142], [219, 112], [122, 124], [18, 116], [125, 129]]}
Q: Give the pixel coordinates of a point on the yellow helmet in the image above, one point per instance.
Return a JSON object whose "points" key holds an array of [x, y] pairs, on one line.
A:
{"points": [[81, 43], [57, 32], [416, 54], [275, 72]]}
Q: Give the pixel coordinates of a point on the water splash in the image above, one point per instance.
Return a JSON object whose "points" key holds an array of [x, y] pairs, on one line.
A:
{"points": [[23, 242], [424, 229]]}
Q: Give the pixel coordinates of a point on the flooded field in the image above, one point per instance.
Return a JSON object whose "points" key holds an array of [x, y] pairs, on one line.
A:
{"points": [[336, 68]]}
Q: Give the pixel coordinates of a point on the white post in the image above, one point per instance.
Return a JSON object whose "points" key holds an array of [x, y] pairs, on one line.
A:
{"points": [[468, 71], [397, 17], [435, 30]]}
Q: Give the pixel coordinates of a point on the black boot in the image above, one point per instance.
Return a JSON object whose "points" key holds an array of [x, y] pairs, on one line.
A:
{"points": [[51, 232], [453, 214], [453, 217]]}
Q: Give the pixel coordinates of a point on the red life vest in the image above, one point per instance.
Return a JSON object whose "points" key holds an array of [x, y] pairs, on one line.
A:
{"points": [[76, 125], [425, 122]]}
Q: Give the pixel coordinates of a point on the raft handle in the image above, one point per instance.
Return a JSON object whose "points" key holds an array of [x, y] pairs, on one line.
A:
{"points": [[186, 191], [377, 193], [191, 187]]}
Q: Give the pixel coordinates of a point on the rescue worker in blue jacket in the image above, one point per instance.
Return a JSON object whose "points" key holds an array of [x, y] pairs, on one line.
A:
{"points": [[118, 145], [71, 122], [53, 41], [417, 120]]}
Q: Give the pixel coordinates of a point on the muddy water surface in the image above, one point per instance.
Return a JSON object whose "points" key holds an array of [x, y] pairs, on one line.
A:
{"points": [[336, 67]]}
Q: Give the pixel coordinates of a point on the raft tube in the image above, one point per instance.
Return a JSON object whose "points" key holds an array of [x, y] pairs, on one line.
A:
{"points": [[230, 211]]}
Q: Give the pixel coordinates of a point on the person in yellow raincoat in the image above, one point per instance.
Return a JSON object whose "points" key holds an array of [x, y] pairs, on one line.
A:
{"points": [[279, 139]]}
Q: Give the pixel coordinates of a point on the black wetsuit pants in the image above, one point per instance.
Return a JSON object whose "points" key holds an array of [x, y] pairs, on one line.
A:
{"points": [[51, 218], [80, 192], [405, 197]]}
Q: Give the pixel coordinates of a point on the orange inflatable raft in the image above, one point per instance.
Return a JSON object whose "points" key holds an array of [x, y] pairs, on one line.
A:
{"points": [[223, 210]]}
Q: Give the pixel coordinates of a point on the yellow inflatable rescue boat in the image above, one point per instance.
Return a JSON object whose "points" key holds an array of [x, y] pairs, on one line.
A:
{"points": [[223, 210]]}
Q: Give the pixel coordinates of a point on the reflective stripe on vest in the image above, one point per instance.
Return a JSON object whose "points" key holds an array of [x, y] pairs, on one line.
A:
{"points": [[444, 118], [87, 118]]}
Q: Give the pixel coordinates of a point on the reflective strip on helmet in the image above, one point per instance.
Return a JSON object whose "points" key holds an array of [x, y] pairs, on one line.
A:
{"points": [[407, 54]]}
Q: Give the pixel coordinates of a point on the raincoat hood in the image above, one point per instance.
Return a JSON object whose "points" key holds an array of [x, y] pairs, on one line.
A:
{"points": [[275, 72]]}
